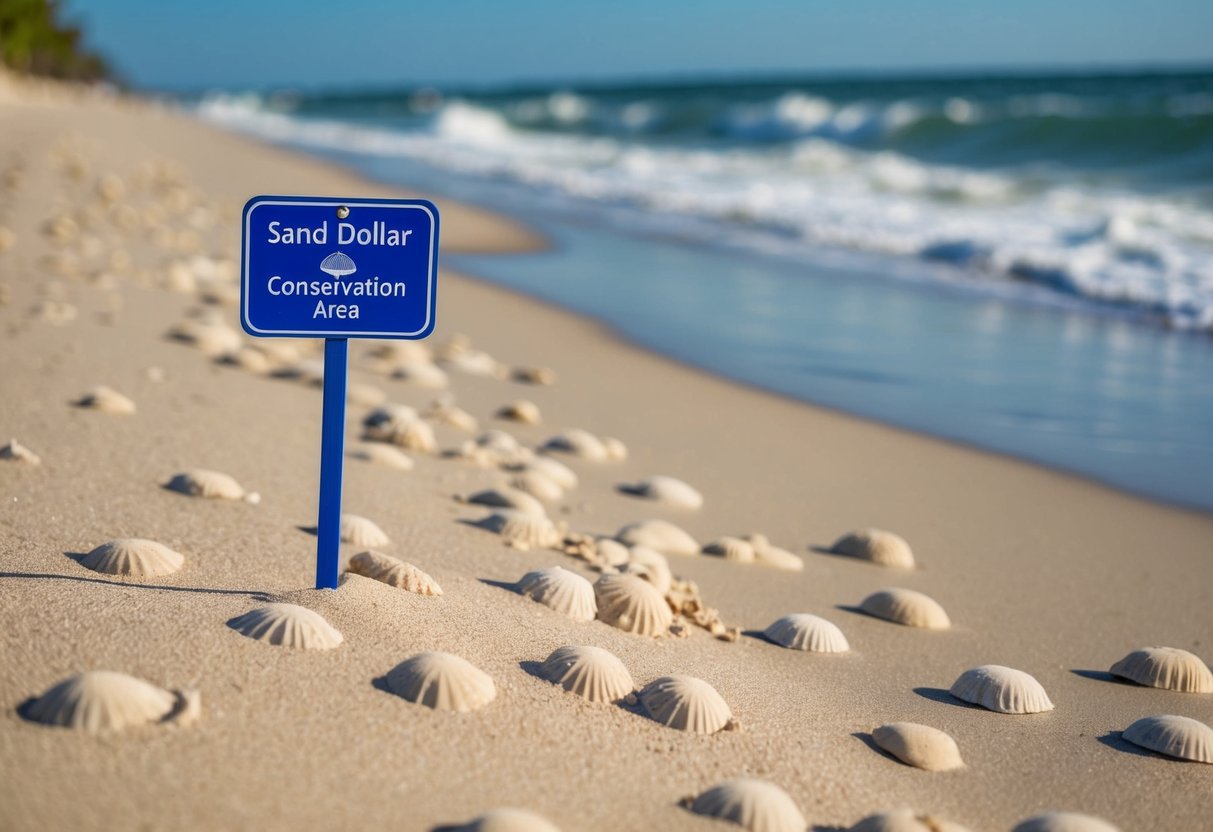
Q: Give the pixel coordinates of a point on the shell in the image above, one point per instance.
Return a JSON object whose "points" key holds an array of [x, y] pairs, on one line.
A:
{"points": [[442, 681], [767, 554], [1174, 736], [590, 672], [412, 434], [422, 375], [554, 469], [802, 631], [611, 552], [393, 572], [474, 363], [17, 452], [508, 498], [381, 454], [451, 415], [287, 625], [495, 447], [906, 607], [508, 820], [880, 547], [538, 485], [382, 423], [523, 531], [667, 491], [106, 400], [905, 820], [685, 703], [660, 535], [632, 604], [920, 746], [1064, 822], [758, 805], [616, 450], [579, 443], [249, 359], [1001, 689], [731, 548], [214, 485], [650, 565], [534, 375], [523, 411], [1165, 667], [361, 531], [103, 700], [562, 590], [310, 371], [133, 556], [211, 337]]}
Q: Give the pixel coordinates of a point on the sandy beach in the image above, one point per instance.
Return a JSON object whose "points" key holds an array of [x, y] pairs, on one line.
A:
{"points": [[1037, 570]]}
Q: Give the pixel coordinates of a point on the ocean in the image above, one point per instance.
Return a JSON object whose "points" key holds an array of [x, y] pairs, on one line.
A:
{"points": [[1021, 263]]}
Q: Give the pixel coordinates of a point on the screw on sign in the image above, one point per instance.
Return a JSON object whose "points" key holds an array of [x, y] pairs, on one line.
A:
{"points": [[319, 267]]}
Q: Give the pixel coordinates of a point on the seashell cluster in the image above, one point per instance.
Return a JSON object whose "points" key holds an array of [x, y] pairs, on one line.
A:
{"points": [[287, 625], [211, 485], [906, 607], [756, 805], [685, 703], [802, 631], [1165, 667], [879, 547], [98, 701], [667, 491], [920, 746], [362, 532], [442, 681], [1001, 689], [393, 572], [660, 535], [632, 604], [564, 591], [1175, 736], [134, 557], [592, 673]]}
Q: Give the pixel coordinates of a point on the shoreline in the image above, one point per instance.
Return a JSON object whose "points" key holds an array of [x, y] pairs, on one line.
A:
{"points": [[1038, 571]]}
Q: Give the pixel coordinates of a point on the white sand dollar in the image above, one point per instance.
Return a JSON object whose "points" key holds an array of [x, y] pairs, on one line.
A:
{"points": [[538, 485], [906, 607], [768, 554], [875, 545], [905, 820], [803, 631], [362, 532], [611, 552], [1064, 822], [668, 491], [442, 681], [660, 535], [523, 411], [382, 423], [1175, 736], [564, 591], [387, 455], [579, 443], [106, 400], [534, 375], [590, 672], [918, 745], [1165, 667], [452, 415], [99, 701], [523, 531], [287, 625], [14, 451], [1004, 690], [650, 565], [553, 469], [756, 805], [508, 498], [133, 556], [212, 485], [509, 820], [632, 604], [685, 703], [393, 572], [731, 548]]}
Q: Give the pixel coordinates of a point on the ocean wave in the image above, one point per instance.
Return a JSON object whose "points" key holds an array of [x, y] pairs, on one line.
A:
{"points": [[1099, 241]]}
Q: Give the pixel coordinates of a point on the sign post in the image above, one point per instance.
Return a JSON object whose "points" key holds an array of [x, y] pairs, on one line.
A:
{"points": [[319, 267]]}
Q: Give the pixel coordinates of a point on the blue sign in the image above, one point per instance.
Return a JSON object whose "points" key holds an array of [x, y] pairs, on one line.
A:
{"points": [[317, 267]]}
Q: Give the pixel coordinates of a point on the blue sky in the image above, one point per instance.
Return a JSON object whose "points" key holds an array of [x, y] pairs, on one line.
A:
{"points": [[329, 43]]}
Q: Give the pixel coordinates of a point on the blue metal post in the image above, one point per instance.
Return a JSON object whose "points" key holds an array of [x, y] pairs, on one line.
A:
{"points": [[332, 451]]}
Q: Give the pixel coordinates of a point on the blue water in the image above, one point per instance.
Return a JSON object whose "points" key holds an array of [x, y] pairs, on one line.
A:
{"points": [[1023, 264]]}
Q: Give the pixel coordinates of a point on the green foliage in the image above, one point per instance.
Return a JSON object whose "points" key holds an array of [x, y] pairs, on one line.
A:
{"points": [[34, 41]]}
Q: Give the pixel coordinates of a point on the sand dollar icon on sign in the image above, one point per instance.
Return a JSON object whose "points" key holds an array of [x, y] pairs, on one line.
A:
{"points": [[338, 265]]}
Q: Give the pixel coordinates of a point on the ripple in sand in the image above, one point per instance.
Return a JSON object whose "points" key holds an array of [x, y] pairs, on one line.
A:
{"points": [[1165, 667], [811, 633], [287, 625], [523, 531], [539, 486], [526, 412], [14, 451], [442, 681], [686, 703], [1004, 690], [212, 485], [877, 546], [381, 454], [579, 443], [1064, 822], [97, 701], [393, 572], [768, 554], [660, 535], [134, 557], [918, 745], [1175, 736], [561, 590], [362, 532], [505, 820], [106, 400], [650, 565], [906, 607], [731, 548], [507, 498], [905, 820], [757, 805], [632, 604], [592, 673]]}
